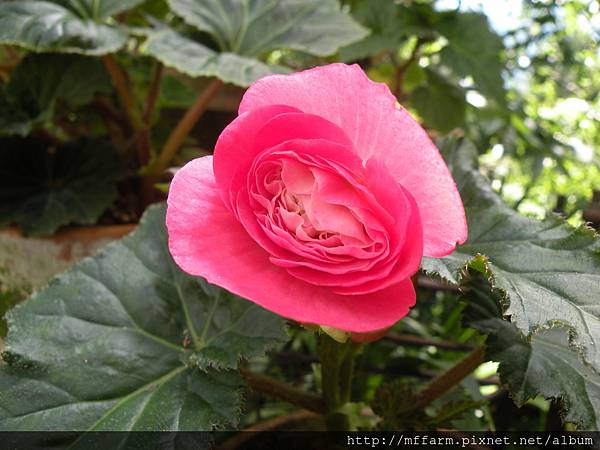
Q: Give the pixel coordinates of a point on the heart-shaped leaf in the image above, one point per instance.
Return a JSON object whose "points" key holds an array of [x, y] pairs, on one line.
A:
{"points": [[115, 343], [65, 26], [548, 271], [43, 186]]}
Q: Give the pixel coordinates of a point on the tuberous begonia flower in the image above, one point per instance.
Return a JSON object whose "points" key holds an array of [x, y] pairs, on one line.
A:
{"points": [[320, 200]]}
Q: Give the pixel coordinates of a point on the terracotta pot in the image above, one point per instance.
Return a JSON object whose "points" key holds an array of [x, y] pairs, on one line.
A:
{"points": [[78, 241]]}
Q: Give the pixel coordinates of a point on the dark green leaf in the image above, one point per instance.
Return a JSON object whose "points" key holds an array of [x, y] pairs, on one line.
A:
{"points": [[46, 26], [542, 365], [114, 344], [41, 81], [474, 50], [43, 187], [548, 271], [441, 105]]}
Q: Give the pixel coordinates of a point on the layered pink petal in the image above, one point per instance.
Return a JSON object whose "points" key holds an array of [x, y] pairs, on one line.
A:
{"points": [[235, 150], [207, 240], [249, 134], [368, 114]]}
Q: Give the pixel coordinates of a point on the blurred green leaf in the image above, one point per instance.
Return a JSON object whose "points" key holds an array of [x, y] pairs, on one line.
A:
{"points": [[440, 104], [65, 26], [548, 271], [127, 341], [382, 19], [43, 187], [474, 50], [174, 93]]}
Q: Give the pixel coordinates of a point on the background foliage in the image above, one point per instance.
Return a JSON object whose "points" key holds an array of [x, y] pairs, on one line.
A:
{"points": [[98, 99]]}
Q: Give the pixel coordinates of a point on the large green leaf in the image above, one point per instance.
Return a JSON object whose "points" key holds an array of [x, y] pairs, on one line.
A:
{"points": [[542, 365], [41, 81], [43, 187], [66, 26], [548, 271], [244, 30], [250, 27], [115, 344], [440, 104], [98, 9], [474, 50], [192, 58]]}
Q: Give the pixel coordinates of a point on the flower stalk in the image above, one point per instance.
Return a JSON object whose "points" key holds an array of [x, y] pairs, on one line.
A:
{"points": [[337, 368]]}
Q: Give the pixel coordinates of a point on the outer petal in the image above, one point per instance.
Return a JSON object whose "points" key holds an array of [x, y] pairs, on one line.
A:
{"points": [[249, 134], [205, 239], [235, 147], [369, 115]]}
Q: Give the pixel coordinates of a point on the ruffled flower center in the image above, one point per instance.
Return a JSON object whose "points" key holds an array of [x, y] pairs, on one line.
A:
{"points": [[312, 204]]}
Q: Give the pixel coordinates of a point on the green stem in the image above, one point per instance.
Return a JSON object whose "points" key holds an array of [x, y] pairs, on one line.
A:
{"points": [[347, 372], [337, 366]]}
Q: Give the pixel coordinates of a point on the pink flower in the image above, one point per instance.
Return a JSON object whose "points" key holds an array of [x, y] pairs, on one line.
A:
{"points": [[319, 203]]}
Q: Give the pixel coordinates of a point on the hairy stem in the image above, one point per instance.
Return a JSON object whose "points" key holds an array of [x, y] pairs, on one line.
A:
{"points": [[446, 381], [337, 367], [347, 372], [282, 391], [184, 127]]}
